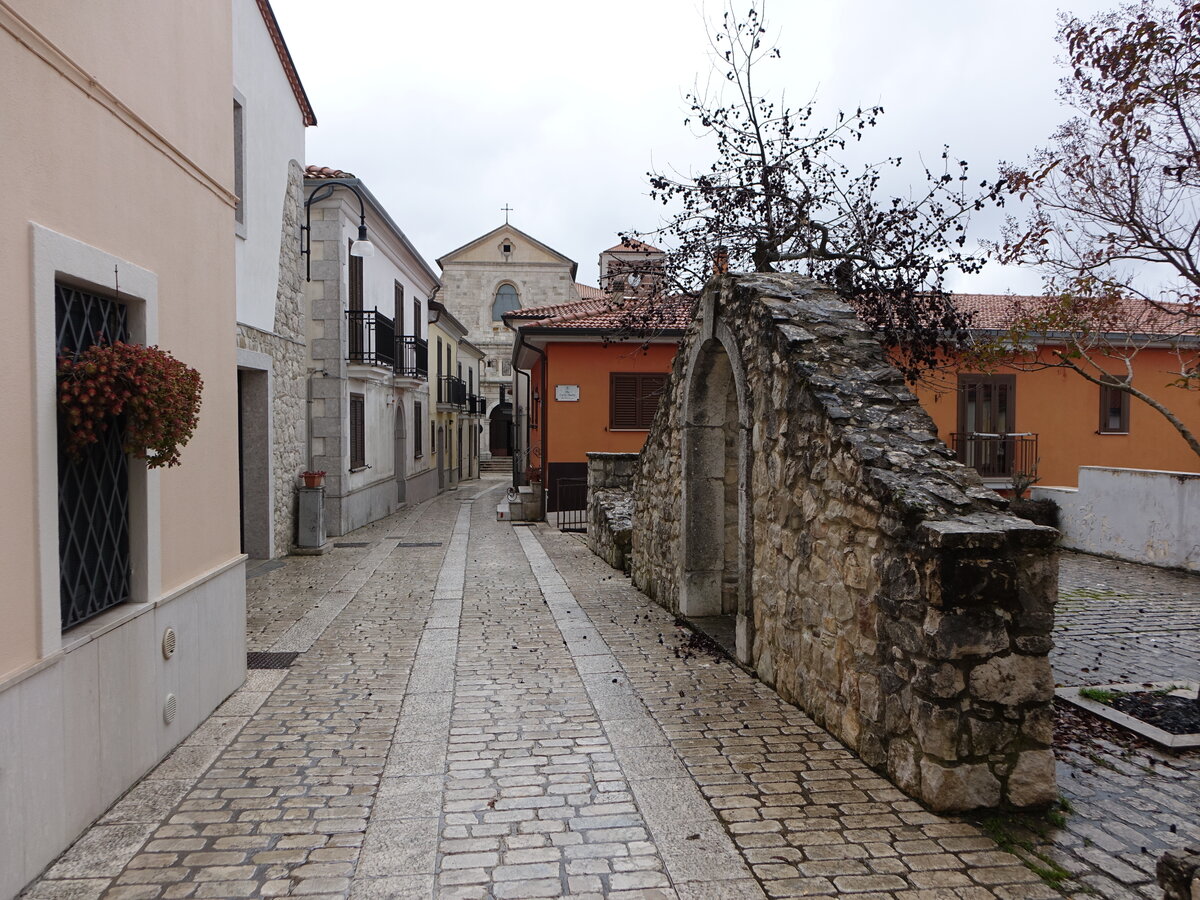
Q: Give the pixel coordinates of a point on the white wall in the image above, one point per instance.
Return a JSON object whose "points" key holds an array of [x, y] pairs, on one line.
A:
{"points": [[1140, 515], [274, 135]]}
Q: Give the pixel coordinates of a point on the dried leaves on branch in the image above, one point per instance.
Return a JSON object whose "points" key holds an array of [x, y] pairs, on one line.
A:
{"points": [[1115, 205], [780, 197]]}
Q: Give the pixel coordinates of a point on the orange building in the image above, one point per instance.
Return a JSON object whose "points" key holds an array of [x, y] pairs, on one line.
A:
{"points": [[1031, 417], [577, 390]]}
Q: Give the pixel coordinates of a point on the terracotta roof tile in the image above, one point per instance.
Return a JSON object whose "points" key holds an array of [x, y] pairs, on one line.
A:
{"points": [[633, 245], [603, 314], [326, 172], [587, 292], [996, 312]]}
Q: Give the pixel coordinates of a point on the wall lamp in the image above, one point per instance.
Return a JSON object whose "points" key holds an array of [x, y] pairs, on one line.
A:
{"points": [[361, 247]]}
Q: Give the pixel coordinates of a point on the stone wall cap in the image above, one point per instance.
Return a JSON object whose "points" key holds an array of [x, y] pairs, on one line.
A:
{"points": [[605, 454], [986, 530]]}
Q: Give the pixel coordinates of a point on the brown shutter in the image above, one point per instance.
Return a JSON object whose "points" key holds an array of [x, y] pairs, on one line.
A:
{"points": [[356, 281], [650, 388], [358, 432], [624, 401]]}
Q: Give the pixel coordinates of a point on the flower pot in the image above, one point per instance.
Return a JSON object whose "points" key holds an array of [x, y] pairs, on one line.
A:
{"points": [[313, 481]]}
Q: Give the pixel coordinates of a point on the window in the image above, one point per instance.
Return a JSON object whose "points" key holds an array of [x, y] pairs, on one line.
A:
{"points": [[239, 167], [356, 279], [418, 431], [634, 399], [439, 358], [358, 432], [1114, 407], [398, 308], [416, 317], [506, 301]]}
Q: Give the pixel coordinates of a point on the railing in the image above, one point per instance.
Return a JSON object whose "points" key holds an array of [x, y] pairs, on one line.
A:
{"points": [[412, 357], [476, 405], [571, 504], [997, 455], [452, 391], [372, 338]]}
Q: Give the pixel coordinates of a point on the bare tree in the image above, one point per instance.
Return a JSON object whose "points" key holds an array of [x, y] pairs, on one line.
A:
{"points": [[779, 196], [1115, 219]]}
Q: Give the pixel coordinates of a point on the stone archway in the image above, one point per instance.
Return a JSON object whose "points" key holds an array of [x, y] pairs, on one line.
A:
{"points": [[716, 517]]}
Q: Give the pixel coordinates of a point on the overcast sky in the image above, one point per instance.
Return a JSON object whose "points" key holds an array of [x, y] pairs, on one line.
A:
{"points": [[449, 111]]}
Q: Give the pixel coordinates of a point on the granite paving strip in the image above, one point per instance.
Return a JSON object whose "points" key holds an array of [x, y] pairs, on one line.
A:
{"points": [[271, 795], [697, 851], [399, 855], [535, 802], [807, 816]]}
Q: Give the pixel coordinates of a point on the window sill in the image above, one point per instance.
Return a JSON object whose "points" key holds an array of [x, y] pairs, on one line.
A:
{"points": [[354, 469], [627, 429], [1112, 433]]}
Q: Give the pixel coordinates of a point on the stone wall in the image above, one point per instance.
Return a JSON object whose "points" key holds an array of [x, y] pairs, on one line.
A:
{"points": [[289, 360], [610, 506], [792, 480], [1178, 873]]}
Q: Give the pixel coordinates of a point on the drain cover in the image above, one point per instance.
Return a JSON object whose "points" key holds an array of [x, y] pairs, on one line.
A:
{"points": [[427, 544], [263, 660], [352, 544]]}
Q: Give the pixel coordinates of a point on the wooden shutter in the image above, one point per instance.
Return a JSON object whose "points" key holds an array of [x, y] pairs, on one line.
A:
{"points": [[418, 430], [650, 388], [356, 281], [634, 399], [358, 432]]}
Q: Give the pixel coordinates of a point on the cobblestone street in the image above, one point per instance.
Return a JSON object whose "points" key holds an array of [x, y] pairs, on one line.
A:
{"points": [[487, 710]]}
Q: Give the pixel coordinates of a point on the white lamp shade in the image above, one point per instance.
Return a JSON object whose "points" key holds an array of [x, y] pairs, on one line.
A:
{"points": [[362, 248]]}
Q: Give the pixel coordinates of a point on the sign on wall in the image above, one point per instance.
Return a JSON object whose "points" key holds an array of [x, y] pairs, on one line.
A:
{"points": [[566, 392]]}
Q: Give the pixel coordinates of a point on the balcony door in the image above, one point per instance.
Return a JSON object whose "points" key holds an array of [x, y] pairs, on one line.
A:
{"points": [[986, 414]]}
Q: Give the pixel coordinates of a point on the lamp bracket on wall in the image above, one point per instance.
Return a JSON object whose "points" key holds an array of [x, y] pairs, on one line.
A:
{"points": [[361, 247]]}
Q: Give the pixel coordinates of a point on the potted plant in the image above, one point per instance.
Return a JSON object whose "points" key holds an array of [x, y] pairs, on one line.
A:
{"points": [[147, 390], [313, 479]]}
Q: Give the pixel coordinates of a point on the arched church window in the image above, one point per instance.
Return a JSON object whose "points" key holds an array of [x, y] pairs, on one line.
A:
{"points": [[506, 301]]}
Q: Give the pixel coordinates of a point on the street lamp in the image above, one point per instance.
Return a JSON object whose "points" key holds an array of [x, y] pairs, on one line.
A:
{"points": [[361, 247]]}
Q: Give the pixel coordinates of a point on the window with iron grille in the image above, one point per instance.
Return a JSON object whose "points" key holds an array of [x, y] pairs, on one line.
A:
{"points": [[634, 399], [1114, 407], [358, 432], [93, 490], [418, 431]]}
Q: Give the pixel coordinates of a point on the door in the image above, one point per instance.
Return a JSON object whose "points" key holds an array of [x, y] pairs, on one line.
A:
{"points": [[986, 419]]}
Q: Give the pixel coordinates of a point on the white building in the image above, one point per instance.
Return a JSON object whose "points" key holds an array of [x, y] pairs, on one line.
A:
{"points": [[369, 378]]}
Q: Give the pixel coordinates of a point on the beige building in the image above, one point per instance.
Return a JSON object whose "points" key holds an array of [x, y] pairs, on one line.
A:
{"points": [[502, 270], [454, 367], [123, 631]]}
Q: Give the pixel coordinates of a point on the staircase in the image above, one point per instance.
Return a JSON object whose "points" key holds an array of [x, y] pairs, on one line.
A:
{"points": [[497, 465]]}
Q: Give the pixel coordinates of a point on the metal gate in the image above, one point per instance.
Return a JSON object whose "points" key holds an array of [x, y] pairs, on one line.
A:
{"points": [[572, 504], [93, 490]]}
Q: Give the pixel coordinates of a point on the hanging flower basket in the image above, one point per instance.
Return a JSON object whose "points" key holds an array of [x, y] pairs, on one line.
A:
{"points": [[313, 479], [155, 396]]}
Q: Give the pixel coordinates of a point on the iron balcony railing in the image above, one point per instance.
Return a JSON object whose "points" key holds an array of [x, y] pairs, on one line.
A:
{"points": [[475, 404], [997, 455], [412, 357], [452, 391], [372, 338]]}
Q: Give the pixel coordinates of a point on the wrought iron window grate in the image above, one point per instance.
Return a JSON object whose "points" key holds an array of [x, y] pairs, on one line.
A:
{"points": [[93, 491]]}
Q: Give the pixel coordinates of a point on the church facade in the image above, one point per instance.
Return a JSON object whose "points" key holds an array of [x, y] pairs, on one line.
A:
{"points": [[496, 273]]}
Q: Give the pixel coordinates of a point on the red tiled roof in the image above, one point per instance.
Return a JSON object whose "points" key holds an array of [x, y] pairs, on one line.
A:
{"points": [[997, 311], [285, 59], [587, 292], [602, 314], [326, 172], [632, 245]]}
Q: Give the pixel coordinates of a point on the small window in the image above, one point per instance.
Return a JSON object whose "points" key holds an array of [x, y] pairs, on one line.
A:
{"points": [[506, 301], [634, 399], [239, 166], [358, 432], [356, 278], [398, 308], [416, 318], [419, 431], [1114, 408], [507, 248]]}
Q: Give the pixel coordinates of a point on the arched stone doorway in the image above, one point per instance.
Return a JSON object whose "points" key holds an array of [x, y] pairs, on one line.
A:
{"points": [[716, 514], [400, 454], [500, 430]]}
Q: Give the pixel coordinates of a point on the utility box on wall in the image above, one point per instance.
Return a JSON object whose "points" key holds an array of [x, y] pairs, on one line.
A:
{"points": [[310, 519]]}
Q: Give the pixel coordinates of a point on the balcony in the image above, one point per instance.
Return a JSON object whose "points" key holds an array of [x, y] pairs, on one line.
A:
{"points": [[412, 357], [372, 338], [476, 405], [372, 341], [997, 455], [452, 391]]}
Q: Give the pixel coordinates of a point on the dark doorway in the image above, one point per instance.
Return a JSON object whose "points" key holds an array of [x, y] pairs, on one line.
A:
{"points": [[500, 424]]}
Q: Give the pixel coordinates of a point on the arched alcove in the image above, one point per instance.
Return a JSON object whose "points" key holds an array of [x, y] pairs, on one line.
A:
{"points": [[716, 519]]}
